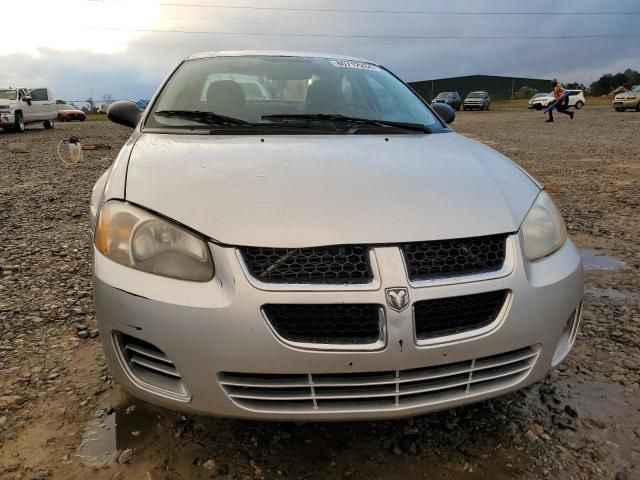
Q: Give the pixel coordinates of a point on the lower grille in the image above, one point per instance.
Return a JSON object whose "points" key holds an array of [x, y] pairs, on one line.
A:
{"points": [[317, 265], [326, 323], [462, 256], [389, 390], [150, 365], [447, 316]]}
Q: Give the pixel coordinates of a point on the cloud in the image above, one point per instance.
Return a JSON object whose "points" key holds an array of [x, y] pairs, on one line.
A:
{"points": [[133, 65]]}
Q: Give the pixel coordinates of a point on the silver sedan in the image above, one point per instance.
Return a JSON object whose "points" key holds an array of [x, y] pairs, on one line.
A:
{"points": [[301, 237]]}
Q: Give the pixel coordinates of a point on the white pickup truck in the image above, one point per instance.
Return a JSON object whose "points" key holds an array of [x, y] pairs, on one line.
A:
{"points": [[20, 106]]}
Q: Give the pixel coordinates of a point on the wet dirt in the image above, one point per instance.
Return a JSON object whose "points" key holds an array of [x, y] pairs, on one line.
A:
{"points": [[60, 409], [117, 430], [595, 260]]}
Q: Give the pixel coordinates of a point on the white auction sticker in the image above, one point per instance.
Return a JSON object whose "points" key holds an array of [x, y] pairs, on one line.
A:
{"points": [[352, 64]]}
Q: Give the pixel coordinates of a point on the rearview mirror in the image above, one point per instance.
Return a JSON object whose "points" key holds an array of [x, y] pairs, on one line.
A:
{"points": [[124, 113], [27, 99], [445, 112]]}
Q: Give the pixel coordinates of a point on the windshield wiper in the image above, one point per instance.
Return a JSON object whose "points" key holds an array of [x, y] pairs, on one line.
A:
{"points": [[207, 118], [416, 127]]}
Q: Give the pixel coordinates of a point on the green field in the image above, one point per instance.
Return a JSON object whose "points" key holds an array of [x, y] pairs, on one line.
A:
{"points": [[96, 117]]}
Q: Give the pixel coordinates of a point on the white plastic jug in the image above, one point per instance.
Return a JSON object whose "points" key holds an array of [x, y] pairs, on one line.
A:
{"points": [[75, 151]]}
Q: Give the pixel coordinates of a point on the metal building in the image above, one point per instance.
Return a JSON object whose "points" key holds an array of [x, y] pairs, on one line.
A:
{"points": [[499, 88]]}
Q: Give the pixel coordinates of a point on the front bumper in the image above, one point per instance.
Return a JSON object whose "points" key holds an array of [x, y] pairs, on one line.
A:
{"points": [[7, 119], [206, 329], [625, 103]]}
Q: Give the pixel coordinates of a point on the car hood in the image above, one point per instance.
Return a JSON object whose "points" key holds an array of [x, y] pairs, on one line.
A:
{"points": [[4, 102], [627, 95], [296, 191]]}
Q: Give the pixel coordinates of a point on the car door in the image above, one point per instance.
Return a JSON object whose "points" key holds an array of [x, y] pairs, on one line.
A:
{"points": [[41, 104], [29, 113]]}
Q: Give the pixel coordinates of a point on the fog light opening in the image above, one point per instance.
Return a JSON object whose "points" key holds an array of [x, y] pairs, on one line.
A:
{"points": [[568, 336]]}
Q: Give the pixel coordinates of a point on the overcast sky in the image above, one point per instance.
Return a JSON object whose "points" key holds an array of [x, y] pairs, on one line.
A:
{"points": [[80, 47]]}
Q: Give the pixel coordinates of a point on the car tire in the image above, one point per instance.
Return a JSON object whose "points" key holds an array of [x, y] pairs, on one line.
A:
{"points": [[579, 104], [638, 107], [18, 126], [48, 124], [618, 109], [488, 106], [465, 108]]}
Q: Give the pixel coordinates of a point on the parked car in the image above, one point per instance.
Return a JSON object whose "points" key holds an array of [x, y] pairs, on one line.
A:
{"points": [[452, 99], [69, 113], [576, 100], [533, 101], [267, 260], [21, 106], [630, 99], [479, 100]]}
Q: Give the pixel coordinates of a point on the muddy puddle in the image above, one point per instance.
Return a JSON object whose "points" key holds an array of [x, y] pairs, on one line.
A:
{"points": [[604, 410], [117, 430], [613, 294], [597, 260]]}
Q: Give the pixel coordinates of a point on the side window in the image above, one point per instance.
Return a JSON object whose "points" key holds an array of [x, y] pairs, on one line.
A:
{"points": [[39, 95]]}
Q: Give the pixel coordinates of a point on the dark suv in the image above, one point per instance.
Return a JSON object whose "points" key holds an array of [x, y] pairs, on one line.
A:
{"points": [[452, 99]]}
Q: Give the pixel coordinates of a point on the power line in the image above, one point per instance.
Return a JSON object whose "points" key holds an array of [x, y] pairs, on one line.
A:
{"points": [[375, 11], [385, 37]]}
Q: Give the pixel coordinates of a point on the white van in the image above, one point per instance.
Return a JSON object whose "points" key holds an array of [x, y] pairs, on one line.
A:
{"points": [[19, 106]]}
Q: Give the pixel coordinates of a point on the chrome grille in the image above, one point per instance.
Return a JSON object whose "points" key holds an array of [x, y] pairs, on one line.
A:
{"points": [[378, 390], [150, 365], [316, 265], [447, 316], [463, 256]]}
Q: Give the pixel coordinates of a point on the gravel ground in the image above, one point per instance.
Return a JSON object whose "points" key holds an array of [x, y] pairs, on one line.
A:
{"points": [[582, 422]]}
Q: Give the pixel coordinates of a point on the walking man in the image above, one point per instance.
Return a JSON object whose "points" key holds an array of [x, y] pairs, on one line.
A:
{"points": [[562, 102]]}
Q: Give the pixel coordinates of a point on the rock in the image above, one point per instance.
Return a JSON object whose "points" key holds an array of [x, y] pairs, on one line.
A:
{"points": [[571, 411], [83, 334], [42, 475], [81, 326], [18, 147], [94, 333], [576, 444], [409, 445], [563, 422], [536, 429], [622, 475], [209, 465], [125, 456], [10, 400]]}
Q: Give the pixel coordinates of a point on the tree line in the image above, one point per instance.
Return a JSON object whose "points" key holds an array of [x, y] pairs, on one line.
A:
{"points": [[609, 82]]}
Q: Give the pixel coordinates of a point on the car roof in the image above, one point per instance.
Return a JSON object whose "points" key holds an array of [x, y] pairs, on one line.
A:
{"points": [[274, 53]]}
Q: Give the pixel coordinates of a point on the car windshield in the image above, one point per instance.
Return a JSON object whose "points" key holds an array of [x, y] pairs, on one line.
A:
{"points": [[636, 88], [273, 89], [8, 94], [445, 95], [475, 95]]}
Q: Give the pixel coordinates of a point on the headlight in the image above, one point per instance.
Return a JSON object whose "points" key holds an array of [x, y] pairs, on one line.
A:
{"points": [[543, 228], [138, 239]]}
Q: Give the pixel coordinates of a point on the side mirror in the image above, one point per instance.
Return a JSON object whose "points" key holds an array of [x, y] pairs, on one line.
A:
{"points": [[27, 99], [124, 113], [445, 112]]}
